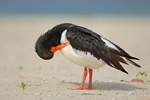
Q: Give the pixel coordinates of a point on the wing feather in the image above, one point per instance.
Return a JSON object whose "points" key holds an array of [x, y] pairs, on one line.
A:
{"points": [[86, 40]]}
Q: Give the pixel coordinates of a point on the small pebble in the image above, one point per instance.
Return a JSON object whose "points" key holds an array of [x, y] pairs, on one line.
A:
{"points": [[131, 92], [62, 81], [20, 67], [121, 80], [35, 94]]}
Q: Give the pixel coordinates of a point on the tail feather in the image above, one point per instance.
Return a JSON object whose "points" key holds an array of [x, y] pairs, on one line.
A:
{"points": [[130, 57], [120, 56], [132, 62]]}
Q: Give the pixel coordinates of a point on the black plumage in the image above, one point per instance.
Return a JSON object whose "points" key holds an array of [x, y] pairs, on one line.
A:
{"points": [[50, 39], [86, 40]]}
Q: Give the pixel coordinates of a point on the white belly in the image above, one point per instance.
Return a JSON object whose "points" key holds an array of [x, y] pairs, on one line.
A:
{"points": [[81, 58]]}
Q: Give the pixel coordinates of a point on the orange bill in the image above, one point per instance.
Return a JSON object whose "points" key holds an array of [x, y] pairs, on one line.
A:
{"points": [[54, 49]]}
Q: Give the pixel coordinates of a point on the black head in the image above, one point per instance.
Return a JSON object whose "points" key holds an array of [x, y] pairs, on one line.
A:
{"points": [[48, 40]]}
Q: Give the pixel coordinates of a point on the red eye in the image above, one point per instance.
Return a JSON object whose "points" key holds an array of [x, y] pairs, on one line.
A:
{"points": [[45, 55]]}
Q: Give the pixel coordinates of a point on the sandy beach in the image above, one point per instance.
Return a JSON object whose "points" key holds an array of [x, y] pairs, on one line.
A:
{"points": [[50, 79]]}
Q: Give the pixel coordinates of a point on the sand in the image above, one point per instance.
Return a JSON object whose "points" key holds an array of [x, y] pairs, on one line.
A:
{"points": [[50, 80]]}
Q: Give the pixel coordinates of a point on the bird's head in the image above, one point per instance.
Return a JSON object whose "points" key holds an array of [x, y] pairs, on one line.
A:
{"points": [[49, 42], [43, 49]]}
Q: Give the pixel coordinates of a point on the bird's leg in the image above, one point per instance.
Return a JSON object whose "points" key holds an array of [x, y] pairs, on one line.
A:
{"points": [[90, 80], [83, 81]]}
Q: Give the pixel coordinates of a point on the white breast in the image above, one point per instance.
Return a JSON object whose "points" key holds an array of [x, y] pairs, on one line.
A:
{"points": [[79, 57]]}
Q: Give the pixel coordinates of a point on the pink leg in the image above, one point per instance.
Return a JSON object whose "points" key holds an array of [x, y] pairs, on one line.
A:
{"points": [[90, 80], [83, 81]]}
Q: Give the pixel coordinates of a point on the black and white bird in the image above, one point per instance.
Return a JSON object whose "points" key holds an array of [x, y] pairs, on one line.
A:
{"points": [[82, 47]]}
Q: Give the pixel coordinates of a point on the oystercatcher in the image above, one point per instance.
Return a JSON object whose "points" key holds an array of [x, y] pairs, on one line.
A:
{"points": [[82, 47]]}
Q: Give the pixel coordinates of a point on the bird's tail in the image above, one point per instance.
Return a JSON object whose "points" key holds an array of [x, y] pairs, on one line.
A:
{"points": [[132, 62]]}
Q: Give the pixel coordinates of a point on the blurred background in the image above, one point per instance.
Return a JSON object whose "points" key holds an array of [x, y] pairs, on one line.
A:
{"points": [[124, 22], [75, 7]]}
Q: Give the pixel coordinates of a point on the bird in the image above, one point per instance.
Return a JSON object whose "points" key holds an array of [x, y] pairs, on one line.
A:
{"points": [[83, 47]]}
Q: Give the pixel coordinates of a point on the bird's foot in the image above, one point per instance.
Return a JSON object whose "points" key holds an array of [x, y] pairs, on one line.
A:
{"points": [[82, 88], [88, 88]]}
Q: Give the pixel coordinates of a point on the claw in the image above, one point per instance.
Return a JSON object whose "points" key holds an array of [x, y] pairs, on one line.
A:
{"points": [[81, 88], [76, 89]]}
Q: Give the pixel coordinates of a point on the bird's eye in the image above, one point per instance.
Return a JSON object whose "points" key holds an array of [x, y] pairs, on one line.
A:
{"points": [[45, 55]]}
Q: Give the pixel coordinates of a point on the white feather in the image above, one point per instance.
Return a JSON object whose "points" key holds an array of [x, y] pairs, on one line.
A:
{"points": [[109, 44], [63, 37]]}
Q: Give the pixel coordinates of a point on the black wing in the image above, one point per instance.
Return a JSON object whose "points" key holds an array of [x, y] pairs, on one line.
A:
{"points": [[86, 40]]}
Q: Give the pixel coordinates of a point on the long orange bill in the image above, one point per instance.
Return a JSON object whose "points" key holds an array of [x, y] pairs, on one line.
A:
{"points": [[54, 49]]}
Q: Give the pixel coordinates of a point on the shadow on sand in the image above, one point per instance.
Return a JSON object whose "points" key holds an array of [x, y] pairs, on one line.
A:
{"points": [[111, 86]]}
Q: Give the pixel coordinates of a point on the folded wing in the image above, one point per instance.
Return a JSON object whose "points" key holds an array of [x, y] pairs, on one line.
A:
{"points": [[86, 40]]}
